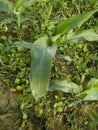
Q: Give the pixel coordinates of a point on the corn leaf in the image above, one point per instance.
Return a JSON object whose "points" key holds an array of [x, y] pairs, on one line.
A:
{"points": [[41, 58], [88, 35], [92, 95], [73, 22], [65, 86], [90, 91], [19, 44]]}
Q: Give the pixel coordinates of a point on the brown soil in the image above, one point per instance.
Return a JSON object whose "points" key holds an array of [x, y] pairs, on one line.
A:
{"points": [[10, 114]]}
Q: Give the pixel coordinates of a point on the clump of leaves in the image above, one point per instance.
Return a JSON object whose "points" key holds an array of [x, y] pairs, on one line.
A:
{"points": [[43, 51], [17, 10]]}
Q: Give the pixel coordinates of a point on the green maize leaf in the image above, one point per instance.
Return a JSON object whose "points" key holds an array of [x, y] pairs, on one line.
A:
{"points": [[20, 44], [92, 95], [65, 86], [41, 59], [93, 90], [5, 6], [88, 35], [73, 22], [90, 90]]}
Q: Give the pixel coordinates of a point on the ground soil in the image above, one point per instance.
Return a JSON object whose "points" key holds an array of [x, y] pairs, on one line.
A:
{"points": [[10, 114]]}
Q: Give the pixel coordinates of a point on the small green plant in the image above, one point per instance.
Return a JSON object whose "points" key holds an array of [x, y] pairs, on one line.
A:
{"points": [[43, 50], [90, 93], [16, 10]]}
